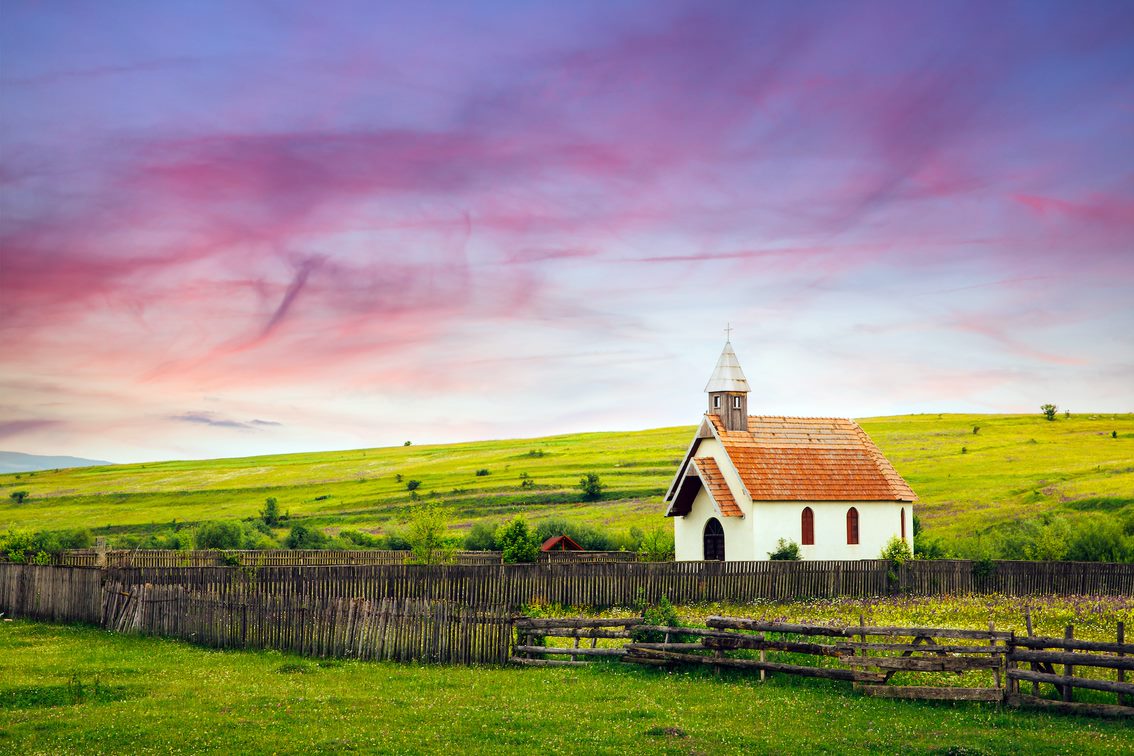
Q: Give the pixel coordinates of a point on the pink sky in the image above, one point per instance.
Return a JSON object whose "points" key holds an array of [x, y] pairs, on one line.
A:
{"points": [[235, 229]]}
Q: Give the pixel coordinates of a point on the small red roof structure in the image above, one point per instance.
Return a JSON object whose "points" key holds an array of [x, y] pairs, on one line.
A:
{"points": [[560, 543]]}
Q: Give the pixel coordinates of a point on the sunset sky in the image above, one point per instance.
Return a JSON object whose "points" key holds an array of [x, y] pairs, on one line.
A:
{"points": [[238, 228]]}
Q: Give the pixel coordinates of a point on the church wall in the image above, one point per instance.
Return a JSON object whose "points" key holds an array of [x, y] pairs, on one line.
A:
{"points": [[878, 522], [688, 532]]}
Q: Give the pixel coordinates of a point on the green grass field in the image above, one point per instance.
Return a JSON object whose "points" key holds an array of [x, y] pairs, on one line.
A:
{"points": [[163, 696], [1015, 466]]}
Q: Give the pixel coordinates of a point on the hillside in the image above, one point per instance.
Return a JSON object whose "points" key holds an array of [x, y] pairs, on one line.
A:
{"points": [[1013, 467], [14, 462]]}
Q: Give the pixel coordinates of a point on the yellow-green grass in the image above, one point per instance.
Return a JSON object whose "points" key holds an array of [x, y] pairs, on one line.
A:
{"points": [[1015, 466], [161, 696]]}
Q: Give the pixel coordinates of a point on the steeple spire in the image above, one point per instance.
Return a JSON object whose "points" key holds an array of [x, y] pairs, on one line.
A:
{"points": [[728, 390]]}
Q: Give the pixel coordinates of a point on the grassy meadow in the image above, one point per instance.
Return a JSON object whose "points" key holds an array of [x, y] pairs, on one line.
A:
{"points": [[68, 689], [974, 474]]}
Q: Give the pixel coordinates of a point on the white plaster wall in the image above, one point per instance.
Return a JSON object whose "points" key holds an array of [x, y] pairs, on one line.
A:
{"points": [[688, 532], [878, 522]]}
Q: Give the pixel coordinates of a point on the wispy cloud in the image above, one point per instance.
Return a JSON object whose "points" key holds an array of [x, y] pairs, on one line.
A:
{"points": [[216, 421]]}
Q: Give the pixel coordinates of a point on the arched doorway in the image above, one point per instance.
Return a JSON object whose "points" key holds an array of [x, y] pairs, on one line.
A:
{"points": [[714, 540]]}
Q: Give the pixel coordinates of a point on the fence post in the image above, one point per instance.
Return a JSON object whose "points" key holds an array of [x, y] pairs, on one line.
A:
{"points": [[1068, 669], [1123, 698], [1031, 634]]}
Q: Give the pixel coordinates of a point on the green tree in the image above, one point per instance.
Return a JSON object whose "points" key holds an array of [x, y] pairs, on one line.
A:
{"points": [[516, 542], [218, 535], [591, 486], [18, 496], [787, 551], [270, 514], [427, 536], [1049, 410], [657, 545]]}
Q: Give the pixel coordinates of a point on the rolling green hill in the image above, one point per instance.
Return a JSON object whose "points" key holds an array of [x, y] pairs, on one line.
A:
{"points": [[1014, 467]]}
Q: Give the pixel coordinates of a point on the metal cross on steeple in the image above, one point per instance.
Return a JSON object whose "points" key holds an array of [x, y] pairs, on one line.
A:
{"points": [[728, 332]]}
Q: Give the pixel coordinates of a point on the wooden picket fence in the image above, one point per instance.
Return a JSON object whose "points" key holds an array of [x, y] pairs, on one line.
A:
{"points": [[389, 629]]}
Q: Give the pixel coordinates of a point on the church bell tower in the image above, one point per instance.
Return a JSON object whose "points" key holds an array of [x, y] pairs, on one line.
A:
{"points": [[728, 391]]}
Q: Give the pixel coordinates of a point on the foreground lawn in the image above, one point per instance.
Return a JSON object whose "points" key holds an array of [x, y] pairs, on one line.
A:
{"points": [[158, 696], [1013, 467]]}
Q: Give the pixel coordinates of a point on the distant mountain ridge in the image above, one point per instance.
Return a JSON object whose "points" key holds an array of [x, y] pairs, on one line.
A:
{"points": [[14, 462]]}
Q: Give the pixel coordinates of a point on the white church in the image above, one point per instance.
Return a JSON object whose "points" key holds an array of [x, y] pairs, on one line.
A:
{"points": [[746, 482]]}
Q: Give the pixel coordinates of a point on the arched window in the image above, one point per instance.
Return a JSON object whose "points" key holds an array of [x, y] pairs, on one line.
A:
{"points": [[714, 540], [852, 526], [808, 522], [903, 523]]}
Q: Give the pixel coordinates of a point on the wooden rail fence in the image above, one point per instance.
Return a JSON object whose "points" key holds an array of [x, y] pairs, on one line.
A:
{"points": [[867, 656], [1086, 665]]}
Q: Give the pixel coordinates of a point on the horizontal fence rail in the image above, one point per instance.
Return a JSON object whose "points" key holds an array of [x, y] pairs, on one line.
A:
{"points": [[250, 558]]}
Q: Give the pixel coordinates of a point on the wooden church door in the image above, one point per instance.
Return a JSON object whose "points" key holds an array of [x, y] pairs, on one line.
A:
{"points": [[714, 540]]}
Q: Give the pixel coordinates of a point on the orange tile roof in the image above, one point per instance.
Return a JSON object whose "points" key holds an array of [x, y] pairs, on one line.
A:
{"points": [[714, 481], [810, 459]]}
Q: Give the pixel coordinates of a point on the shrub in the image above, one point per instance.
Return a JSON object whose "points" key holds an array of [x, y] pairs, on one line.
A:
{"points": [[1049, 410], [786, 551], [526, 481], [482, 472], [413, 485], [481, 537], [218, 535], [303, 537], [18, 496], [427, 537], [896, 551], [591, 486], [516, 542], [1100, 540], [1114, 434], [270, 514], [661, 614], [359, 539]]}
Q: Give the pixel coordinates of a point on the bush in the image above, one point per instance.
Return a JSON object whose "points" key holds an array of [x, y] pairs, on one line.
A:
{"points": [[358, 539], [786, 551], [1100, 540], [481, 537], [413, 485], [18, 496], [516, 542], [1049, 410], [427, 537], [481, 472], [661, 614], [526, 481], [303, 537], [591, 486], [218, 535], [896, 551]]}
